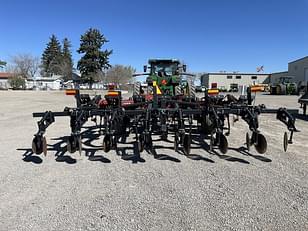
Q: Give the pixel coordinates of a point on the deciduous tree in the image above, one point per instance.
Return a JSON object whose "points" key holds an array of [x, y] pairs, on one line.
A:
{"points": [[25, 65], [120, 74]]}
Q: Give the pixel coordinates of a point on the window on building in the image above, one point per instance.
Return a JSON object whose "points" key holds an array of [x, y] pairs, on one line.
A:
{"points": [[229, 77], [238, 77], [254, 77]]}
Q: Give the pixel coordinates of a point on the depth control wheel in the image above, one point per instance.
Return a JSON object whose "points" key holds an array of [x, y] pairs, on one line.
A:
{"points": [[248, 142], [39, 145], [285, 141], [260, 144], [176, 142], [140, 143], [223, 143], [72, 144], [107, 143], [148, 141], [186, 144]]}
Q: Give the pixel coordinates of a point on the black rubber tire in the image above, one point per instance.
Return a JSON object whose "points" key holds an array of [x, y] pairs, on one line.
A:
{"points": [[248, 141], [176, 142], [107, 143], [285, 141], [37, 145], [148, 141], [186, 144], [140, 143], [223, 144], [71, 144], [261, 144]]}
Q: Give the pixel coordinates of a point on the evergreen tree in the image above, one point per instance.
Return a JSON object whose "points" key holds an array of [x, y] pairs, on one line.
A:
{"points": [[67, 61], [2, 64], [94, 60], [52, 56]]}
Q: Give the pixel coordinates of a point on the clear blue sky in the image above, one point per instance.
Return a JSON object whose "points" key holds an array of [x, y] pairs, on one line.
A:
{"points": [[231, 35]]}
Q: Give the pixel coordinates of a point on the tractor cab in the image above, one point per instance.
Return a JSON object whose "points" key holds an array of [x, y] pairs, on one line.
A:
{"points": [[286, 80], [164, 75]]}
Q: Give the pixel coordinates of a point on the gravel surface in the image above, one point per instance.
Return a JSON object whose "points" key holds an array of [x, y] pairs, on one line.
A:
{"points": [[96, 191]]}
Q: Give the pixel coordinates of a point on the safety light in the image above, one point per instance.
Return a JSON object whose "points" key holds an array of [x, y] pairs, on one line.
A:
{"points": [[71, 92]]}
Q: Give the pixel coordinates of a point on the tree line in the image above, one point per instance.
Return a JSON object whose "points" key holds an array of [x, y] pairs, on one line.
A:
{"points": [[57, 60]]}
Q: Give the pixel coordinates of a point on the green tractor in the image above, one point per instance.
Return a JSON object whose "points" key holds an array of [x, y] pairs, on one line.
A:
{"points": [[166, 77], [285, 86]]}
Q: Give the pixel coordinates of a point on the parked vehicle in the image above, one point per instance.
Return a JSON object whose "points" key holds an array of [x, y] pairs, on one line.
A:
{"points": [[233, 87], [200, 88], [284, 86]]}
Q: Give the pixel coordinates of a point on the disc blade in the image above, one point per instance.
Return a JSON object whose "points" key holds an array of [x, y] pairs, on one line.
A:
{"points": [[44, 143], [176, 143], [285, 141], [71, 144], [34, 149], [223, 144], [212, 142], [37, 145], [140, 143], [261, 144], [248, 141], [148, 141], [186, 144], [107, 143], [79, 145]]}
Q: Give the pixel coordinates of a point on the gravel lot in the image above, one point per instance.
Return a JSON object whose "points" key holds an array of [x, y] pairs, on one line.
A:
{"points": [[208, 191]]}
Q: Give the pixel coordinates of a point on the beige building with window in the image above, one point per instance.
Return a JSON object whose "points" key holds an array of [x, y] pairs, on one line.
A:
{"points": [[227, 80], [297, 69]]}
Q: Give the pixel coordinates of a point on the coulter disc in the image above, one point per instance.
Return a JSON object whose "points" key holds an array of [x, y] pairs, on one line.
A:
{"points": [[71, 145], [186, 144], [285, 141], [44, 146]]}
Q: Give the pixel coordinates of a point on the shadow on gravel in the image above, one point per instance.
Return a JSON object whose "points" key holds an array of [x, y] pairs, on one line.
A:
{"points": [[66, 159], [29, 157], [206, 147], [162, 156], [134, 158], [244, 151], [132, 153], [198, 157]]}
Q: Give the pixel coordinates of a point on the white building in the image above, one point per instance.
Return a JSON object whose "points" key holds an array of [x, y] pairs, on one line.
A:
{"points": [[4, 80], [297, 69], [226, 80], [45, 83]]}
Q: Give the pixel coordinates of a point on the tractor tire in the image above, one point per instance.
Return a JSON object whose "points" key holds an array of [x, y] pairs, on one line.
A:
{"points": [[293, 89], [281, 89], [137, 87], [191, 89], [178, 90], [150, 90], [273, 90]]}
